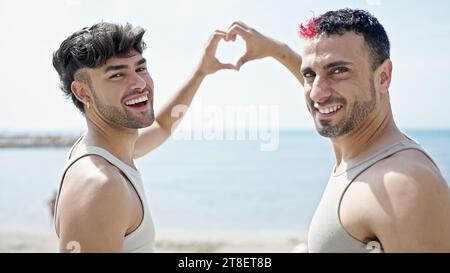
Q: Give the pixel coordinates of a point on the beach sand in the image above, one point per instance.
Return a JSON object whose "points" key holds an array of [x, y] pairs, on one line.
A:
{"points": [[46, 243]]}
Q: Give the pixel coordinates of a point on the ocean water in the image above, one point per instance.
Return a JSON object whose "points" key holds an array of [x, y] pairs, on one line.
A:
{"points": [[201, 186]]}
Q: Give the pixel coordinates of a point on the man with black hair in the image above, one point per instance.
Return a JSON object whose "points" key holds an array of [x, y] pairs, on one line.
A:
{"points": [[385, 193], [101, 205]]}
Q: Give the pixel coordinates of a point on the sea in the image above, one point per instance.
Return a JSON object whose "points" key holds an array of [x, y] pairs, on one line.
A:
{"points": [[202, 186]]}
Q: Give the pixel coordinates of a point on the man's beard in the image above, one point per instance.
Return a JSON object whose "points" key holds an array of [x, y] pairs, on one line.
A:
{"points": [[122, 117], [359, 113]]}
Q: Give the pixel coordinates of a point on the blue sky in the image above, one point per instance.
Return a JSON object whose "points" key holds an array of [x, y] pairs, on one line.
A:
{"points": [[176, 31]]}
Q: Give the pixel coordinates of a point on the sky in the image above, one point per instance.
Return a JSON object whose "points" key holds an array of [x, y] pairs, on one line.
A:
{"points": [[176, 32]]}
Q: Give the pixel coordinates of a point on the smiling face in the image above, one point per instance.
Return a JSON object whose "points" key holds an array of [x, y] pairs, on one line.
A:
{"points": [[339, 82], [122, 91]]}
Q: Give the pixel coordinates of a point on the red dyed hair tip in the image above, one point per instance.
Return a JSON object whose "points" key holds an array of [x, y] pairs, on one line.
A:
{"points": [[308, 30]]}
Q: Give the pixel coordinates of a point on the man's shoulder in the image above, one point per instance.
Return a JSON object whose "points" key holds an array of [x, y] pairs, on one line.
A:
{"points": [[92, 179], [406, 179], [94, 168], [405, 168], [94, 205], [407, 198]]}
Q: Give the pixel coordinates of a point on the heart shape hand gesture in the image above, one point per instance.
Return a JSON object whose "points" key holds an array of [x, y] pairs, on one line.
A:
{"points": [[257, 46]]}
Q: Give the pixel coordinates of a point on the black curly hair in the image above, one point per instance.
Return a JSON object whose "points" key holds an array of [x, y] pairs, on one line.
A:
{"points": [[91, 47], [360, 22]]}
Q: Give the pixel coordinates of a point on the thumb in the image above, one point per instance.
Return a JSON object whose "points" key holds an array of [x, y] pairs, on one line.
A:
{"points": [[228, 66], [242, 61]]}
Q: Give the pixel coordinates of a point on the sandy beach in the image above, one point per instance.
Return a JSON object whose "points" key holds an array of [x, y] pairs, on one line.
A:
{"points": [[28, 141], [11, 242]]}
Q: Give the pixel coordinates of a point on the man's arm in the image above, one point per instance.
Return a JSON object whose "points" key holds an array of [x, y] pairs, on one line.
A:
{"points": [[94, 215], [415, 214], [260, 46], [151, 137]]}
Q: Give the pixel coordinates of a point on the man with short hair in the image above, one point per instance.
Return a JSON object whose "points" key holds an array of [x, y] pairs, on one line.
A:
{"points": [[385, 193], [101, 205]]}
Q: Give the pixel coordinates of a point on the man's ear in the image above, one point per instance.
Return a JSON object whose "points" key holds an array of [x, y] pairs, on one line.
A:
{"points": [[81, 92], [383, 76]]}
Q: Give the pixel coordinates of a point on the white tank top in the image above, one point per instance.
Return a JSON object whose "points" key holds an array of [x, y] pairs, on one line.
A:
{"points": [[326, 232], [141, 239]]}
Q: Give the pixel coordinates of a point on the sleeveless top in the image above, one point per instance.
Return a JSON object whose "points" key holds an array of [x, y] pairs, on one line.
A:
{"points": [[142, 239], [326, 232]]}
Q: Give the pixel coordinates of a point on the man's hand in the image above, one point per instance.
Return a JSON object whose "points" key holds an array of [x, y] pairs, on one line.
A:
{"points": [[260, 46], [209, 63], [151, 137]]}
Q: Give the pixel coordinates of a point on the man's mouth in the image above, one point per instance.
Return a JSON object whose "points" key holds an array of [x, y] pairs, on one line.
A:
{"points": [[138, 102], [327, 111]]}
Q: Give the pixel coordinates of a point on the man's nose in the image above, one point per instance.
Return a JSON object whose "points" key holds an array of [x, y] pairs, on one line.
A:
{"points": [[137, 82], [320, 90]]}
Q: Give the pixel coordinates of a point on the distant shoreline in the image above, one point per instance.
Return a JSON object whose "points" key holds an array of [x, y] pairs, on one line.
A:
{"points": [[65, 139], [23, 141]]}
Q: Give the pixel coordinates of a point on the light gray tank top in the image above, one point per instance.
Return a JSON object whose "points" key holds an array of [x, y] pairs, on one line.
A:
{"points": [[141, 239], [326, 232]]}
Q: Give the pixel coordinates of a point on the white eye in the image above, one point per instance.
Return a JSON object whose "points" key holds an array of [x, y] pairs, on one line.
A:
{"points": [[118, 75], [340, 70], [308, 75]]}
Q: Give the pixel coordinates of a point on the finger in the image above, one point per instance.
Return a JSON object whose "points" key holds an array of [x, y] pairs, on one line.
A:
{"points": [[220, 31], [242, 61], [242, 24], [215, 33], [231, 37], [228, 66], [239, 23], [214, 40], [237, 30]]}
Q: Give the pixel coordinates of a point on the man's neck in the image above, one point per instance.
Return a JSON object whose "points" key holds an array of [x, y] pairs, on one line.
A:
{"points": [[377, 132], [119, 141]]}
